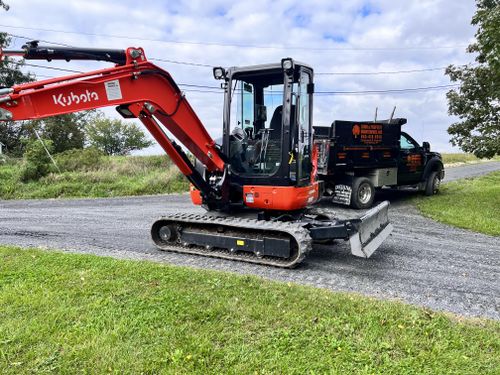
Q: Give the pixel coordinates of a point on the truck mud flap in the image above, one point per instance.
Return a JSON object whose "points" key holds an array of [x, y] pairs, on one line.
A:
{"points": [[372, 229]]}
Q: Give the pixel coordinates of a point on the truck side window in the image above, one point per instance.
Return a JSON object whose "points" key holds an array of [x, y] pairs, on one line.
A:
{"points": [[406, 144]]}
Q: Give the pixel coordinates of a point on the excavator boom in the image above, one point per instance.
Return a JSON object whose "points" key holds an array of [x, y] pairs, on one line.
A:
{"points": [[138, 89]]}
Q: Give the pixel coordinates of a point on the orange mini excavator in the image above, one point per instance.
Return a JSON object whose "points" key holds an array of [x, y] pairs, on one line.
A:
{"points": [[257, 183]]}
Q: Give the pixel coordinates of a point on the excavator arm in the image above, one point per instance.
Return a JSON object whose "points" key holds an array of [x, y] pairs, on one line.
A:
{"points": [[138, 89]]}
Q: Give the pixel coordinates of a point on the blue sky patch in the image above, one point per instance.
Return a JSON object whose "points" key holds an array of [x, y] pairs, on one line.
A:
{"points": [[335, 37], [367, 10], [301, 20], [220, 12]]}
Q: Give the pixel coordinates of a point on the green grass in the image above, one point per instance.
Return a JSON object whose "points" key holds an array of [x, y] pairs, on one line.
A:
{"points": [[472, 203], [71, 314], [111, 177], [451, 159]]}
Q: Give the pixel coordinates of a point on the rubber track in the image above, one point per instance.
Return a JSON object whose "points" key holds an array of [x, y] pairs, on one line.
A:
{"points": [[296, 230]]}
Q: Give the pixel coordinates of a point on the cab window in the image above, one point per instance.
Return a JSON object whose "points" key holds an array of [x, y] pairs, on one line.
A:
{"points": [[407, 143], [256, 124]]}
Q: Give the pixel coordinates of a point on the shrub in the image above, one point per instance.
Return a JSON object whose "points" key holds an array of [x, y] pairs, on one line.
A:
{"points": [[36, 161], [79, 160]]}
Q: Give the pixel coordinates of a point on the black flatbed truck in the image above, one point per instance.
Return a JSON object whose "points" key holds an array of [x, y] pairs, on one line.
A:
{"points": [[355, 158]]}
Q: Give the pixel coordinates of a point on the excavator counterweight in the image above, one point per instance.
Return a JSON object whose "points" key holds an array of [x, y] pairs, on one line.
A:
{"points": [[257, 183]]}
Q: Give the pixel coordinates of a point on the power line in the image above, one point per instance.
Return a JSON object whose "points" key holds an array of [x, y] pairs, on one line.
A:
{"points": [[206, 65], [204, 91], [45, 67], [79, 71], [212, 88], [182, 62], [360, 93], [40, 40], [219, 44], [379, 72], [388, 91], [197, 64]]}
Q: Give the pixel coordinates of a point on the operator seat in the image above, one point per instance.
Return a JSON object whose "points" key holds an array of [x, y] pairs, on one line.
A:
{"points": [[276, 124]]}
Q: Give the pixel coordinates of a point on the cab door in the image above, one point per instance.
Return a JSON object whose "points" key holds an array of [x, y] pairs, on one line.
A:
{"points": [[304, 121], [411, 161]]}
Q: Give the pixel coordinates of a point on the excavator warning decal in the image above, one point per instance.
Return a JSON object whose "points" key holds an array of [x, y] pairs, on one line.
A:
{"points": [[113, 90]]}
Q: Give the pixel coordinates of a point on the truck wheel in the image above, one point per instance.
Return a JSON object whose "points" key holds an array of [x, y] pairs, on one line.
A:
{"points": [[363, 193], [432, 183]]}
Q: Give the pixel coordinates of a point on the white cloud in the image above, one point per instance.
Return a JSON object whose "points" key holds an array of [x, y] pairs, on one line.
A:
{"points": [[319, 24]]}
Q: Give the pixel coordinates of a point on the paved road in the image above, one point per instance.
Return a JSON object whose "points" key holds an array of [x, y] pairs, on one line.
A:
{"points": [[471, 170], [422, 262]]}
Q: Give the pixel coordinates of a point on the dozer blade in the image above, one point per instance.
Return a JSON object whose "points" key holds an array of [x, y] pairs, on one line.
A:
{"points": [[372, 229]]}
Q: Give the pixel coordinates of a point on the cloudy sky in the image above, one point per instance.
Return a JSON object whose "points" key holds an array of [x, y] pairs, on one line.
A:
{"points": [[334, 36]]}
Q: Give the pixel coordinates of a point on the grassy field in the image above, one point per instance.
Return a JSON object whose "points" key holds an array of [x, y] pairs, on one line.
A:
{"points": [[115, 176], [452, 159], [469, 203], [67, 314], [110, 177]]}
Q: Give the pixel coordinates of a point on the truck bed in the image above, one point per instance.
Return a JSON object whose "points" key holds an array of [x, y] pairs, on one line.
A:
{"points": [[351, 145]]}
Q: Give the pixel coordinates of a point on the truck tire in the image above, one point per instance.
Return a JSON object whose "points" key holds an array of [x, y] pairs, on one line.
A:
{"points": [[432, 183], [363, 193]]}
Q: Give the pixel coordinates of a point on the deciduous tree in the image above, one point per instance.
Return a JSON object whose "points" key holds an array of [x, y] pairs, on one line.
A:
{"points": [[115, 137], [65, 131], [477, 101]]}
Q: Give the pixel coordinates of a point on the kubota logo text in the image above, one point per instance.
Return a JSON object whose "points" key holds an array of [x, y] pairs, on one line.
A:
{"points": [[72, 98]]}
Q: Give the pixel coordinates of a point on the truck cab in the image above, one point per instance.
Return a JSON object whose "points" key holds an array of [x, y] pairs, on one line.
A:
{"points": [[413, 161], [358, 157]]}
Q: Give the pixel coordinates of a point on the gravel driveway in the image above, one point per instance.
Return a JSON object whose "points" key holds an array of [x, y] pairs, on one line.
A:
{"points": [[422, 262]]}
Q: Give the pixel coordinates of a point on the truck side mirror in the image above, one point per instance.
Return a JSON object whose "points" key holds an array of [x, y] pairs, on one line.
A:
{"points": [[426, 146]]}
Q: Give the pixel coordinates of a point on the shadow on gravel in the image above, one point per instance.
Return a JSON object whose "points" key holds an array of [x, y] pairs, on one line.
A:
{"points": [[338, 253], [396, 196]]}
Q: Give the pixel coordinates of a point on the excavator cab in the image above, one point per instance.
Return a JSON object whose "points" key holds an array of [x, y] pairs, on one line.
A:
{"points": [[267, 135]]}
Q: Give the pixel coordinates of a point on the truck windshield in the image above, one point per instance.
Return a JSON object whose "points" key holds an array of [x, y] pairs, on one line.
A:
{"points": [[256, 125]]}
